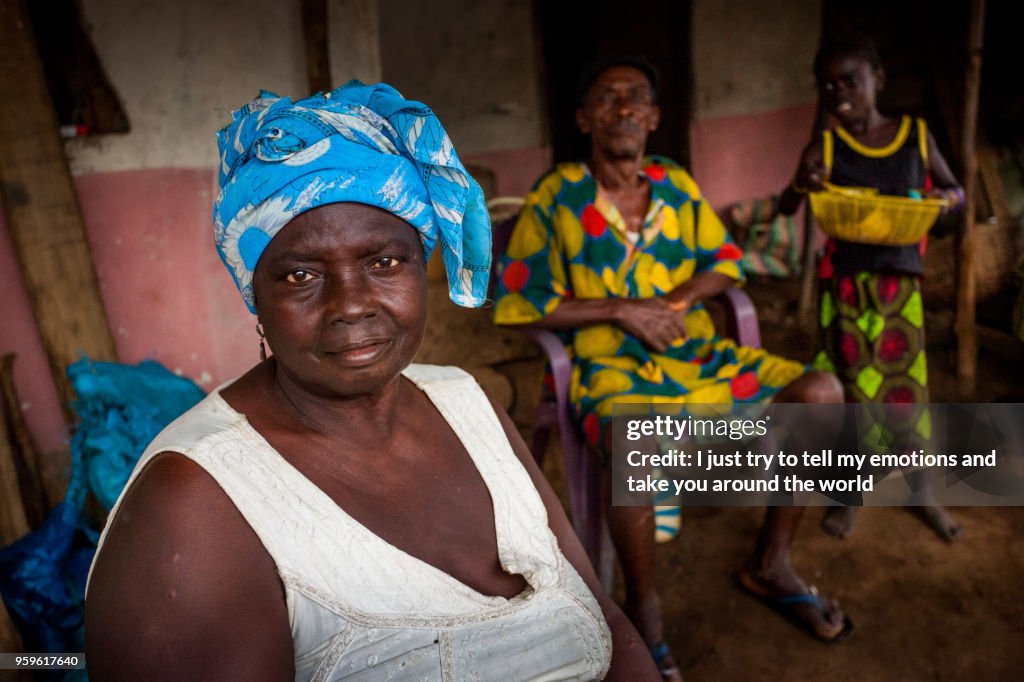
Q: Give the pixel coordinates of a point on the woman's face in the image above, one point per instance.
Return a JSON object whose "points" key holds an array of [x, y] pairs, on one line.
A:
{"points": [[341, 293]]}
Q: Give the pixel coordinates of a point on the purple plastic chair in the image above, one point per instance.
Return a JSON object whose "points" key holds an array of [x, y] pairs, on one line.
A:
{"points": [[585, 477]]}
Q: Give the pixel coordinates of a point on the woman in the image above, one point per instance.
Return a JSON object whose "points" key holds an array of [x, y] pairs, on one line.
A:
{"points": [[336, 512]]}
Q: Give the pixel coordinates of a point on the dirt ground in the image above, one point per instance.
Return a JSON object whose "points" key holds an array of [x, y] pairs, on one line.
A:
{"points": [[923, 609]]}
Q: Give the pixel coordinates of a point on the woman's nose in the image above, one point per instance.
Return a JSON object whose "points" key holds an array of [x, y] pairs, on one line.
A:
{"points": [[351, 297]]}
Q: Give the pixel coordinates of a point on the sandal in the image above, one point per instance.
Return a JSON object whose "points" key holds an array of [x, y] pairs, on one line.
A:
{"points": [[668, 518], [660, 652]]}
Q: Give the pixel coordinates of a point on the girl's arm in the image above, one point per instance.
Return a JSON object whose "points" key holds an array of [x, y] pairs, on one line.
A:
{"points": [[809, 176], [944, 183]]}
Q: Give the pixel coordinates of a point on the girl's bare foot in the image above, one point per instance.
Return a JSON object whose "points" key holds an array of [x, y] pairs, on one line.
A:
{"points": [[839, 521], [941, 521]]}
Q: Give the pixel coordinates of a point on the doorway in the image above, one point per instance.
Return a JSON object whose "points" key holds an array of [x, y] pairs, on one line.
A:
{"points": [[573, 33]]}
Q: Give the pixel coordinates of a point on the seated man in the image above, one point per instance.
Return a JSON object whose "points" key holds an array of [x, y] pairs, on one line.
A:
{"points": [[617, 254]]}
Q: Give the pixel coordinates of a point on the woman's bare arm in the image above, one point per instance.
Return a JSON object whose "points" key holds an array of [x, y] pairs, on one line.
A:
{"points": [[183, 589]]}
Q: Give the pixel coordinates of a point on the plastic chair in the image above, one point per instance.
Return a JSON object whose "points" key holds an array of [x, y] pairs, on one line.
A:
{"points": [[585, 477]]}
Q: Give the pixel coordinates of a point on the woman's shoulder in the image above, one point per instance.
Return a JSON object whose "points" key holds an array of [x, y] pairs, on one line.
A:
{"points": [[200, 561], [425, 373], [209, 417]]}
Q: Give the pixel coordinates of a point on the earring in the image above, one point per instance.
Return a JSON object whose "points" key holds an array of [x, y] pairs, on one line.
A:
{"points": [[263, 348]]}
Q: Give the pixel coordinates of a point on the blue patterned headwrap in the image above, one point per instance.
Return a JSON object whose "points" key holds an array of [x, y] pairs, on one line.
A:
{"points": [[359, 143]]}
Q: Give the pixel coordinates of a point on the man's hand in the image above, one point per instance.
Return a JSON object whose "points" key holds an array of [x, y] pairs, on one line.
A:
{"points": [[655, 321]]}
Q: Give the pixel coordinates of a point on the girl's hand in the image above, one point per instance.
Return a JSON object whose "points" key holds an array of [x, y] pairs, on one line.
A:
{"points": [[810, 176], [954, 195]]}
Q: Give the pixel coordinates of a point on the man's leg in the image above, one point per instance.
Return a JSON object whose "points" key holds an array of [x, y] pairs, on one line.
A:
{"points": [[769, 574], [632, 533]]}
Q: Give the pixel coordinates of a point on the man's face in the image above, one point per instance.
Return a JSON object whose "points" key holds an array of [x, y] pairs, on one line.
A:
{"points": [[619, 113]]}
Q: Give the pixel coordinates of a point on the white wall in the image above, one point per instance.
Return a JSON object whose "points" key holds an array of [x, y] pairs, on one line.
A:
{"points": [[180, 68], [475, 63], [753, 57]]}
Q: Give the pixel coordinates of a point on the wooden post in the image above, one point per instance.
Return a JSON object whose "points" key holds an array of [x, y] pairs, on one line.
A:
{"points": [[24, 462], [10, 642], [353, 40], [42, 212], [13, 520], [809, 275], [966, 333], [314, 34]]}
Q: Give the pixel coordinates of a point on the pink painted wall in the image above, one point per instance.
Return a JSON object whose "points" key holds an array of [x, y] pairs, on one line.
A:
{"points": [[18, 335], [168, 297], [743, 157], [733, 157]]}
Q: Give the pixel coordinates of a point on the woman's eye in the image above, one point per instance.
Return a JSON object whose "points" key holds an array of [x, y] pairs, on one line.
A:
{"points": [[299, 276], [386, 263]]}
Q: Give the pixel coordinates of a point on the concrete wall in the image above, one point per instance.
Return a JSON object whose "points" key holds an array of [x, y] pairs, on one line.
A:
{"points": [[181, 67], [754, 94], [146, 196], [477, 64]]}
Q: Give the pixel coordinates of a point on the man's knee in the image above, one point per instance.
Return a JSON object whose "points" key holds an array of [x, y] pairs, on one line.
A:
{"points": [[818, 387]]}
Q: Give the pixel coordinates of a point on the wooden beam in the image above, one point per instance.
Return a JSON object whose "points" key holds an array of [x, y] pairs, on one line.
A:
{"points": [[10, 642], [314, 34], [809, 275], [26, 465], [13, 520], [42, 212], [966, 332]]}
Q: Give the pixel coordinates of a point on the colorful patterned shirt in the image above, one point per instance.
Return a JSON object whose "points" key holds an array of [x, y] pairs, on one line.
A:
{"points": [[571, 242]]}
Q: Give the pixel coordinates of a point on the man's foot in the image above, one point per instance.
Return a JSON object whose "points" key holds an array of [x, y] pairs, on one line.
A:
{"points": [[819, 616], [839, 521], [645, 614], [940, 520], [665, 662]]}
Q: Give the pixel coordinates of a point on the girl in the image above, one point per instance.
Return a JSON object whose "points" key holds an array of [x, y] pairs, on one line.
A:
{"points": [[871, 312]]}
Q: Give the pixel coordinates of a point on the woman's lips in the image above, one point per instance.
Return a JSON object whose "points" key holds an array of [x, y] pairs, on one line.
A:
{"points": [[843, 107], [360, 353]]}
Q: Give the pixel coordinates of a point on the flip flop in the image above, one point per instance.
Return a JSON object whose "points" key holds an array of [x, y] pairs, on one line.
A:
{"points": [[660, 652], [785, 605], [668, 518]]}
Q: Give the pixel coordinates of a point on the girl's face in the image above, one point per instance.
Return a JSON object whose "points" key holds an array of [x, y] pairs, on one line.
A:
{"points": [[848, 87]]}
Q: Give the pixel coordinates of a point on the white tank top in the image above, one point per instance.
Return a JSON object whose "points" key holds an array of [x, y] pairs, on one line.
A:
{"points": [[362, 609]]}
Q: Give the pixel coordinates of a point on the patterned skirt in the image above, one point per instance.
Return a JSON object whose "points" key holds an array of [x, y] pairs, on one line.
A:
{"points": [[872, 332]]}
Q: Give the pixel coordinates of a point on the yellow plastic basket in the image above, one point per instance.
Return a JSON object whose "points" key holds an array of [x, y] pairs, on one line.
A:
{"points": [[861, 214]]}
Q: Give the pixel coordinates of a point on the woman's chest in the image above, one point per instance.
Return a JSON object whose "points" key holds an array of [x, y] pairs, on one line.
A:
{"points": [[420, 493]]}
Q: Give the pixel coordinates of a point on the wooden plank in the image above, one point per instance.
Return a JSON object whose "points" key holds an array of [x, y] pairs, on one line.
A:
{"points": [[807, 306], [314, 34], [26, 466], [10, 642], [966, 331], [42, 212], [13, 520]]}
